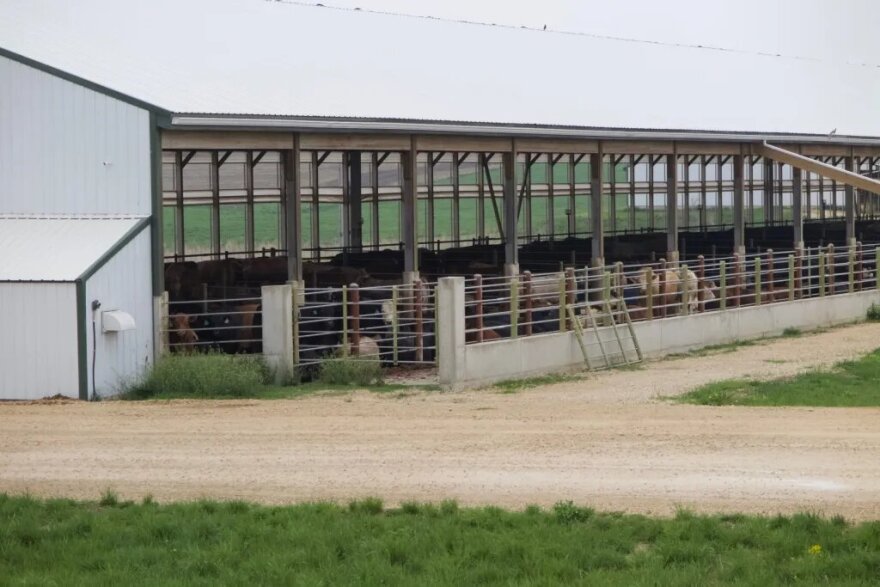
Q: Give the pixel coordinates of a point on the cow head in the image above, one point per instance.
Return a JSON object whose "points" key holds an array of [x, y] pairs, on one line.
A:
{"points": [[180, 327]]}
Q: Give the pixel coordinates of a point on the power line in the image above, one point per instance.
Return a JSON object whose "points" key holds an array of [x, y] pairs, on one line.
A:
{"points": [[545, 30]]}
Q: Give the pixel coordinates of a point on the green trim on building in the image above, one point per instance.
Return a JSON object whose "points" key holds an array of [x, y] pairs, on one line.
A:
{"points": [[82, 340], [84, 83], [111, 252]]}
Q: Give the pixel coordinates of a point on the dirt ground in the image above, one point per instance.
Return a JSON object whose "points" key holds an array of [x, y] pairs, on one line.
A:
{"points": [[604, 441]]}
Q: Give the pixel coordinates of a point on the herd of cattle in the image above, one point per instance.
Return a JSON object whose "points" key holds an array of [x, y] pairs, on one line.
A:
{"points": [[216, 303]]}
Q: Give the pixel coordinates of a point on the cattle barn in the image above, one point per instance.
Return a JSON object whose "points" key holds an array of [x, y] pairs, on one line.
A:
{"points": [[197, 151]]}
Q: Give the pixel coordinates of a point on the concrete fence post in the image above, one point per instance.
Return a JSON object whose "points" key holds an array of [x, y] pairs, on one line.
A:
{"points": [[278, 341], [160, 325], [451, 350]]}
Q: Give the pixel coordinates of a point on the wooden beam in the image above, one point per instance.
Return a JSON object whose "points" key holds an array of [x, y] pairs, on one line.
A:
{"points": [[556, 146], [822, 169], [354, 142], [472, 144], [225, 140]]}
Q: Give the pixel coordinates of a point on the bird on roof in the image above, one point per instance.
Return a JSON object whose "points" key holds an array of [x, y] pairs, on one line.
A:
{"points": [[545, 27], [833, 132]]}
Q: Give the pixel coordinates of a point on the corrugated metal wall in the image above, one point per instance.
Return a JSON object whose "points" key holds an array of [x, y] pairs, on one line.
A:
{"points": [[65, 149], [122, 284], [38, 353]]}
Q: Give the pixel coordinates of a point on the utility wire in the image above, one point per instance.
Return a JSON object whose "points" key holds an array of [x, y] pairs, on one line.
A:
{"points": [[545, 30]]}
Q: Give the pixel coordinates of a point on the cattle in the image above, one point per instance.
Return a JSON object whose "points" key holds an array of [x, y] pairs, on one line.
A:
{"points": [[182, 280], [672, 285], [181, 335]]}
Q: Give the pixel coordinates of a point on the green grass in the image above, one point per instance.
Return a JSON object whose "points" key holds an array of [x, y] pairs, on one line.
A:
{"points": [[848, 384], [202, 375], [219, 376], [197, 222], [515, 385], [60, 542]]}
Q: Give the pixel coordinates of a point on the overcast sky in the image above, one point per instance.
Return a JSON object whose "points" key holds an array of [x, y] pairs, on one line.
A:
{"points": [[829, 29]]}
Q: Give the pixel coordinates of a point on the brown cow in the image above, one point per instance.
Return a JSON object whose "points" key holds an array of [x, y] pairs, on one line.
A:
{"points": [[181, 335]]}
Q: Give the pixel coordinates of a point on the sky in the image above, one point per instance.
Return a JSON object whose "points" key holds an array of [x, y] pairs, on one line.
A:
{"points": [[841, 30]]}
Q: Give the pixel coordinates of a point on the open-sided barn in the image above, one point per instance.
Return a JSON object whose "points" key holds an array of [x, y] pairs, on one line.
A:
{"points": [[229, 144]]}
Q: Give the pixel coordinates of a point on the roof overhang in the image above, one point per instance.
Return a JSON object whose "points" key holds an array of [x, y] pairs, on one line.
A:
{"points": [[217, 122]]}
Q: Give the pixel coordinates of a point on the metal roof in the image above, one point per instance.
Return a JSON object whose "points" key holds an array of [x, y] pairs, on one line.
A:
{"points": [[253, 60], [56, 248]]}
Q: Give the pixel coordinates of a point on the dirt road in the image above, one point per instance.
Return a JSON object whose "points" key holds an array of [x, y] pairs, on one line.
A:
{"points": [[602, 441]]}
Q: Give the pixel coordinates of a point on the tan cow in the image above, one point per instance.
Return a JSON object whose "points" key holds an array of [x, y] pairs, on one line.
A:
{"points": [[677, 286]]}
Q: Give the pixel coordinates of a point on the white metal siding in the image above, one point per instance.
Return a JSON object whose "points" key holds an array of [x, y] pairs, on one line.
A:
{"points": [[122, 284], [38, 344], [65, 149]]}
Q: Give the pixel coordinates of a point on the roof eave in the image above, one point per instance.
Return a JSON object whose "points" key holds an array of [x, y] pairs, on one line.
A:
{"points": [[228, 122]]}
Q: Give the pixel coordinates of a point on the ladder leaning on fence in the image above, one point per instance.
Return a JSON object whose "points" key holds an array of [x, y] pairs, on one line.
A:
{"points": [[621, 337]]}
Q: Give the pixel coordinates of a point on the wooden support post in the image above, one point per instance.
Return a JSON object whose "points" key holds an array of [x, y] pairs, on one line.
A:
{"points": [[395, 324], [850, 205], [410, 209], [570, 291], [215, 204], [877, 268], [684, 278], [757, 280], [294, 304], [797, 211], [527, 293], [771, 276], [851, 267], [597, 183], [832, 268], [739, 228], [791, 278], [352, 198], [511, 242], [799, 273], [293, 212], [722, 268], [418, 295], [345, 347], [563, 298], [860, 267], [661, 288], [649, 292], [701, 281], [821, 255], [249, 223], [769, 200], [478, 306], [672, 208], [179, 244], [514, 306], [355, 313]]}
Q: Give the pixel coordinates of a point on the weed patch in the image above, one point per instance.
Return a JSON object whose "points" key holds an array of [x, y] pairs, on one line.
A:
{"points": [[847, 384], [205, 375], [350, 371]]}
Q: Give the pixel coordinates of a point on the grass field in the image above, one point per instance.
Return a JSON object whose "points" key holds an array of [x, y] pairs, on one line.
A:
{"points": [[60, 542], [197, 222], [849, 384]]}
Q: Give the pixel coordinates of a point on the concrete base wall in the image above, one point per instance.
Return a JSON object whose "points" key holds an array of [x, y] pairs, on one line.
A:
{"points": [[482, 364]]}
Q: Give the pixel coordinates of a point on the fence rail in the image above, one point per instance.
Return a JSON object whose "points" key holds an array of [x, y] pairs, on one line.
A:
{"points": [[527, 304], [394, 323]]}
